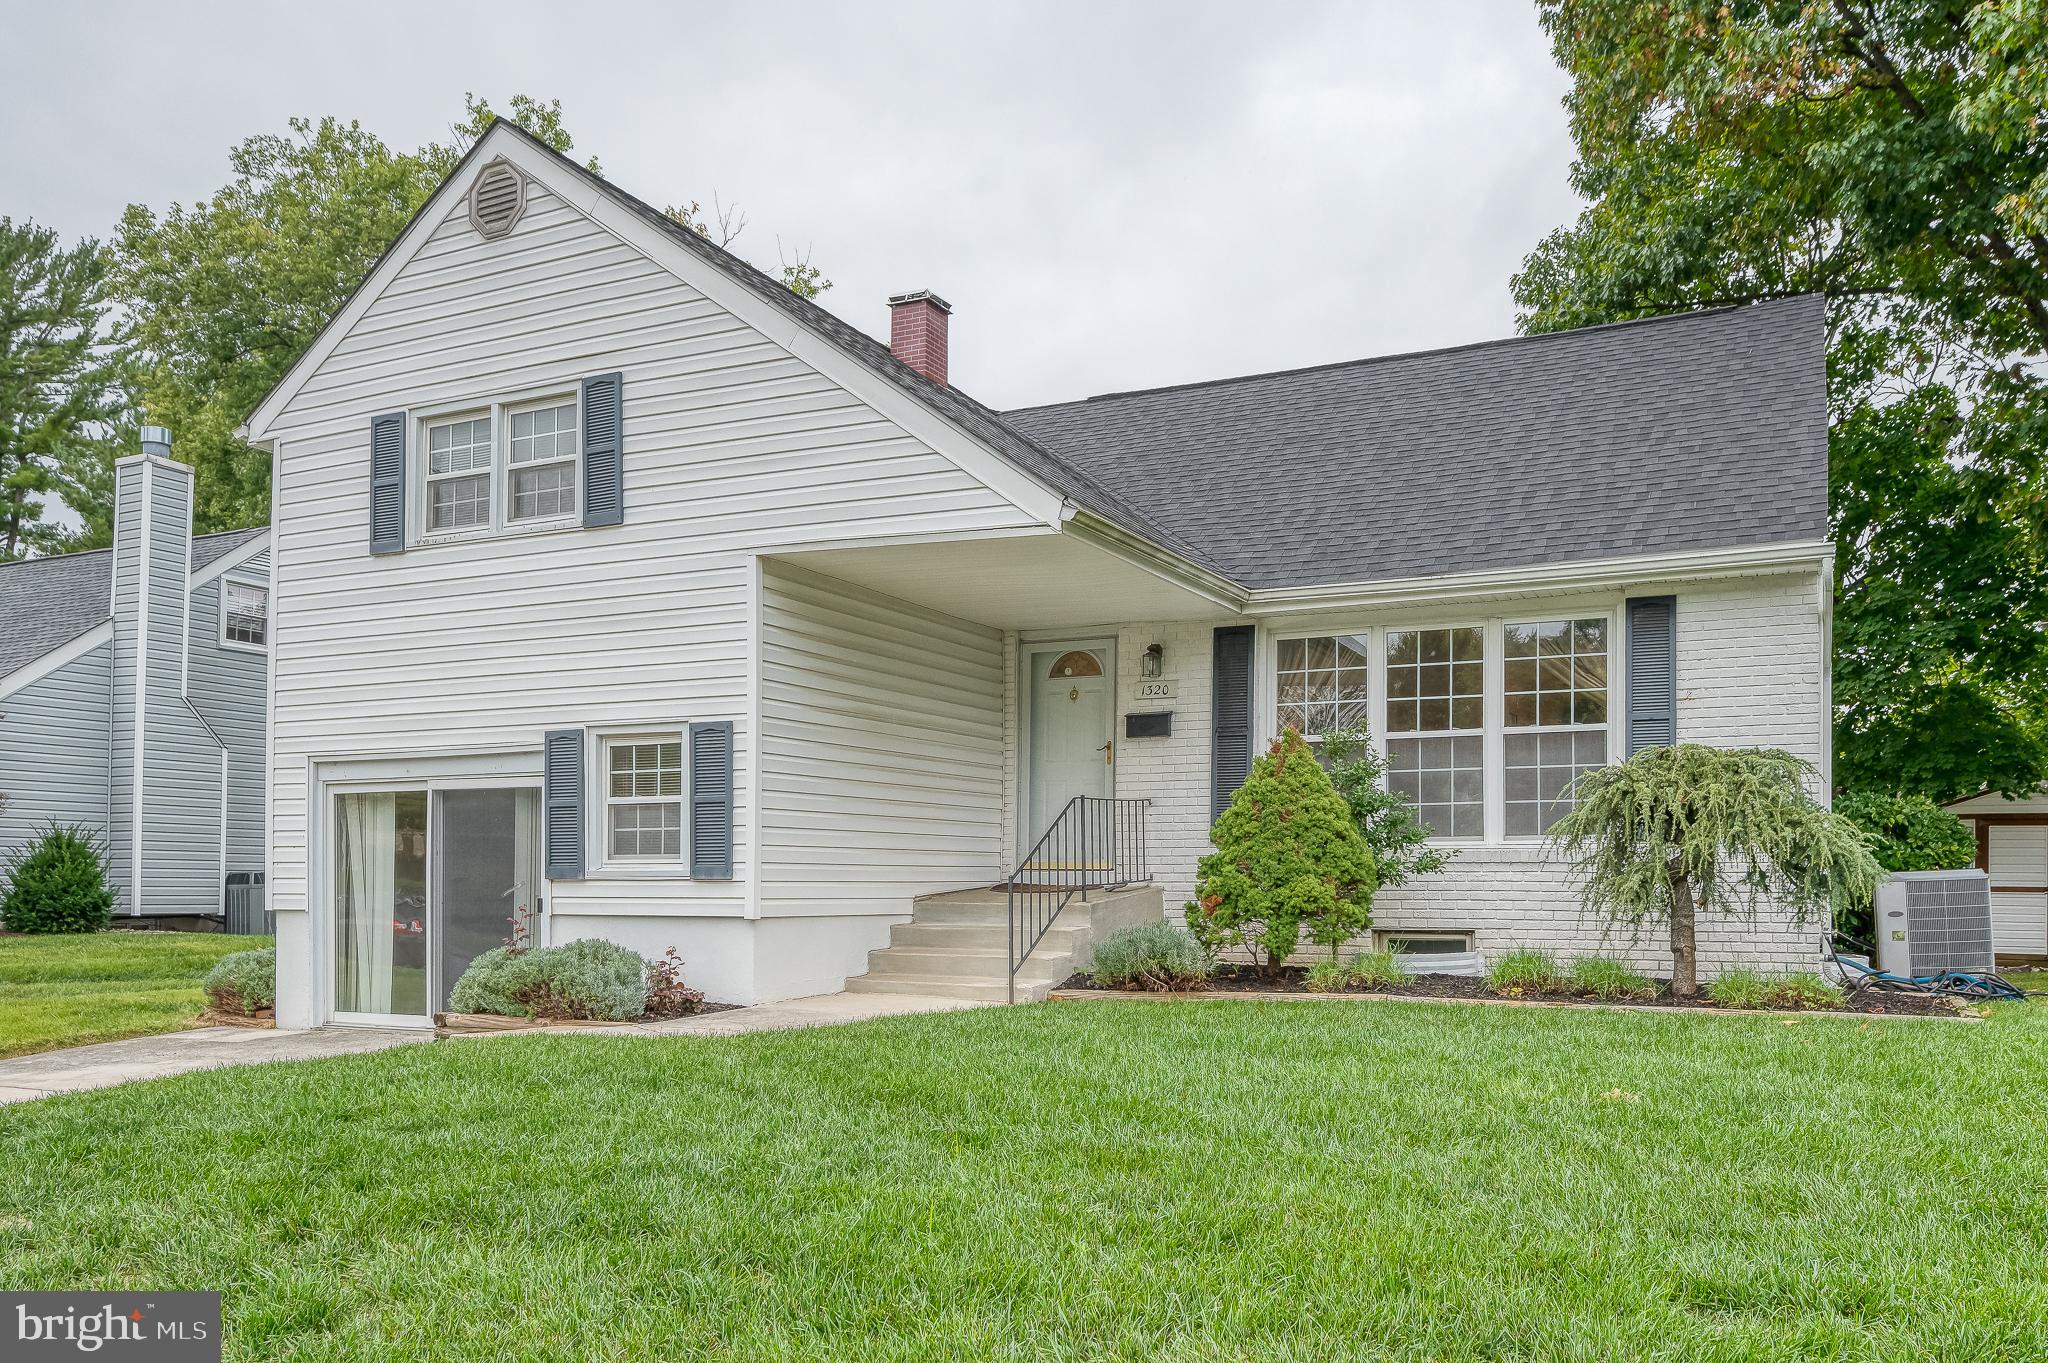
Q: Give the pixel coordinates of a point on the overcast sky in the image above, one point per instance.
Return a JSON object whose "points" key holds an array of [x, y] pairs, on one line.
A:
{"points": [[1111, 196]]}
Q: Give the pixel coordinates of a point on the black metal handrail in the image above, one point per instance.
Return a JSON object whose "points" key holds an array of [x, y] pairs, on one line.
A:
{"points": [[1094, 844]]}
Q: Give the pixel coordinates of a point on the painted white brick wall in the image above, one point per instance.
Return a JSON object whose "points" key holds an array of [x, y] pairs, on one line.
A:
{"points": [[1751, 660]]}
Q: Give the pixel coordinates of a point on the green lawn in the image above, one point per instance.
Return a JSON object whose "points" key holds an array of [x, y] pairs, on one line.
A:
{"points": [[1206, 1181], [68, 990]]}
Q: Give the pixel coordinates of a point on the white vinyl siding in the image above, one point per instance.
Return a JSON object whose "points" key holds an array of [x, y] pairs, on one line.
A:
{"points": [[732, 443], [882, 749]]}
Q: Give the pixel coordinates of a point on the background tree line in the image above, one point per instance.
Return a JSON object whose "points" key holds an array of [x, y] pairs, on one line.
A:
{"points": [[191, 315], [1890, 154]]}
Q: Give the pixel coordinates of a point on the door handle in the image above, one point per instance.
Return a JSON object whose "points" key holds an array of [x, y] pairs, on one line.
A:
{"points": [[1108, 751]]}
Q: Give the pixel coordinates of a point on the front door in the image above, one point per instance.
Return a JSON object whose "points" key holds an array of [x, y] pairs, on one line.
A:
{"points": [[425, 881], [1073, 749]]}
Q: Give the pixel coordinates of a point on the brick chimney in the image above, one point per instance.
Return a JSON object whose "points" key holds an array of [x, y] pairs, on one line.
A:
{"points": [[917, 332]]}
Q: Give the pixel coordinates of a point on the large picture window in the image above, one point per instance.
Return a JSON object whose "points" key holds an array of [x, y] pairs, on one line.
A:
{"points": [[1485, 726], [1436, 723]]}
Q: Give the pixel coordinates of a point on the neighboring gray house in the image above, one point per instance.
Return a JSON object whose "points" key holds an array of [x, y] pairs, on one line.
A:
{"points": [[132, 694], [624, 594]]}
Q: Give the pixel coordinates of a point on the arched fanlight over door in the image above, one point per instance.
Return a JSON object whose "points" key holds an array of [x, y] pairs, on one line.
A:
{"points": [[1079, 663]]}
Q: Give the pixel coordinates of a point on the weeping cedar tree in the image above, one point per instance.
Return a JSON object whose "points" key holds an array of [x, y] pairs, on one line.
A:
{"points": [[1287, 857], [1681, 831]]}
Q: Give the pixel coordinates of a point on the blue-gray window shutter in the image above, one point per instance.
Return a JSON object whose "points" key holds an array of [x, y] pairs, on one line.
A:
{"points": [[387, 483], [1652, 672], [711, 799], [561, 799], [1230, 715], [604, 463]]}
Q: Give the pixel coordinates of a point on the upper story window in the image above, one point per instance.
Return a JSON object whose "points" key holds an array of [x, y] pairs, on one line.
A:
{"points": [[459, 474], [244, 614], [1485, 726], [510, 465], [543, 458]]}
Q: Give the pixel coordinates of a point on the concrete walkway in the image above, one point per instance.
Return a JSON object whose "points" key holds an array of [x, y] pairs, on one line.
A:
{"points": [[157, 1057], [203, 1048]]}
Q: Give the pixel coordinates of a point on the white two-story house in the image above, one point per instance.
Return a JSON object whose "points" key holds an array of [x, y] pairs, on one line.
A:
{"points": [[619, 592]]}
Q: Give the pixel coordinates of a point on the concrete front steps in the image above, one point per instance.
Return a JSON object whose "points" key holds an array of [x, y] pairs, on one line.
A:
{"points": [[957, 945]]}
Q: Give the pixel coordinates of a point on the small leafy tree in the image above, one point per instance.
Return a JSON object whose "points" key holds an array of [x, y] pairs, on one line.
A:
{"points": [[1287, 857], [1675, 832], [58, 883], [1397, 836]]}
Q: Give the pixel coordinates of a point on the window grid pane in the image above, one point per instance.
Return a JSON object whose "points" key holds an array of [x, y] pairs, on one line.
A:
{"points": [[1540, 771], [1445, 779], [1436, 680], [458, 446], [1323, 683], [546, 433], [457, 503], [546, 491], [1555, 673]]}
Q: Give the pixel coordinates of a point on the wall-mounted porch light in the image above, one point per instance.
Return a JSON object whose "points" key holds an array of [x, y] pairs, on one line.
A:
{"points": [[1153, 664]]}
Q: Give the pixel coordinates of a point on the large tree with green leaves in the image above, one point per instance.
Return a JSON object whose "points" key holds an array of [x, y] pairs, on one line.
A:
{"points": [[53, 380], [1892, 154], [224, 296]]}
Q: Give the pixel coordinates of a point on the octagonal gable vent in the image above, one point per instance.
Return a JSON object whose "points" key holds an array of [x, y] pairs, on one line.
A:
{"points": [[497, 199]]}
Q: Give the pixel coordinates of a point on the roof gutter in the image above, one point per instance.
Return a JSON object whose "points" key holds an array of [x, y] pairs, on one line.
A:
{"points": [[1143, 553], [1747, 560]]}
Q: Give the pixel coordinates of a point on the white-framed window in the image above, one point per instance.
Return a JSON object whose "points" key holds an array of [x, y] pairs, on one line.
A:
{"points": [[244, 615], [511, 465], [458, 472], [1554, 676], [643, 798], [1436, 726], [1484, 724], [542, 455]]}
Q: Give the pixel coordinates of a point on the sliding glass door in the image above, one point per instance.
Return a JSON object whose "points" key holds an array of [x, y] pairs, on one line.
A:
{"points": [[425, 881], [486, 878]]}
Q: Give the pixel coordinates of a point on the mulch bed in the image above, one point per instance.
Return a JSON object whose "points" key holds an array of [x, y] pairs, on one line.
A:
{"points": [[1293, 980], [493, 1022], [214, 1017]]}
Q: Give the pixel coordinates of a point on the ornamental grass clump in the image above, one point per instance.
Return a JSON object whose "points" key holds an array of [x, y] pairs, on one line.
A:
{"points": [[1526, 972], [243, 982], [1155, 956], [1676, 832], [1603, 977], [1288, 860]]}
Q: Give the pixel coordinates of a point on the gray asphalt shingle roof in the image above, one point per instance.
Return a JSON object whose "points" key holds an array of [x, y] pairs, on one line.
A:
{"points": [[1695, 431], [48, 602]]}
